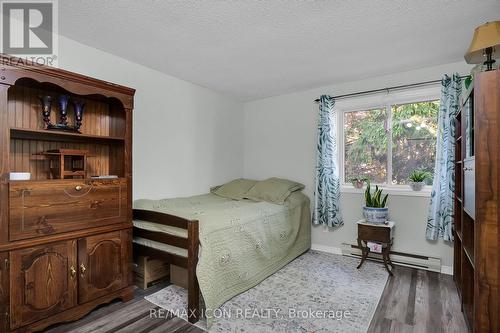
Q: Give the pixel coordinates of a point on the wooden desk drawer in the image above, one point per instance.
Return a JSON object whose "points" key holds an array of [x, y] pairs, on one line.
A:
{"points": [[374, 233], [39, 208]]}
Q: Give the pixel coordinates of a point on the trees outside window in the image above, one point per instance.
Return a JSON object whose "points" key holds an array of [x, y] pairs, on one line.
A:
{"points": [[386, 144]]}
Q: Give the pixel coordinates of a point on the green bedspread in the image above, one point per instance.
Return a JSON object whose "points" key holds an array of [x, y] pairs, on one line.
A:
{"points": [[241, 242]]}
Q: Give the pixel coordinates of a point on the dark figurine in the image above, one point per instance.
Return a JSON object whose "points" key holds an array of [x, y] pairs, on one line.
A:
{"points": [[78, 105], [63, 109], [46, 108]]}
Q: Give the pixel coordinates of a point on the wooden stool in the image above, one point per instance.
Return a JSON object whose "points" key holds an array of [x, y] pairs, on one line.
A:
{"points": [[378, 233]]}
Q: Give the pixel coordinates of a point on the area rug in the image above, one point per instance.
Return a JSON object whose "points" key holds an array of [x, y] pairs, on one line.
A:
{"points": [[317, 292]]}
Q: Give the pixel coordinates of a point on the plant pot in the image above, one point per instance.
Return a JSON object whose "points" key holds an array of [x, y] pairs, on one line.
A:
{"points": [[417, 186], [358, 184], [376, 215]]}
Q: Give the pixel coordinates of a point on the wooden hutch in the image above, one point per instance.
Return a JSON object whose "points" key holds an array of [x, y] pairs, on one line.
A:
{"points": [[65, 244], [476, 267]]}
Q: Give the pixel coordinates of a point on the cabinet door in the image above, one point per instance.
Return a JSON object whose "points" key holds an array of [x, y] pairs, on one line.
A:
{"points": [[43, 282], [104, 264]]}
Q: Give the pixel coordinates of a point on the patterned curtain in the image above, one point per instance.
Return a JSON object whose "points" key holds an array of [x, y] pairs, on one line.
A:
{"points": [[327, 194], [440, 217]]}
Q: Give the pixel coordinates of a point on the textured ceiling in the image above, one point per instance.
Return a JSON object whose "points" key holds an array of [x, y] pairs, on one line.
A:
{"points": [[250, 49]]}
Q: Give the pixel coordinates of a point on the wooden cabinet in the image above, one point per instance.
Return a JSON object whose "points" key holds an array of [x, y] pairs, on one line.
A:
{"points": [[486, 294], [52, 278], [65, 244], [43, 282], [476, 266]]}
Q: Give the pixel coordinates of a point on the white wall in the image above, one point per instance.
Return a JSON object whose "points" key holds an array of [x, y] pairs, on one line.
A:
{"points": [[185, 138], [280, 140]]}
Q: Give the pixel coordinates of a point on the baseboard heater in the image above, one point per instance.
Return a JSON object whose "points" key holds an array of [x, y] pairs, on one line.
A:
{"points": [[397, 258]]}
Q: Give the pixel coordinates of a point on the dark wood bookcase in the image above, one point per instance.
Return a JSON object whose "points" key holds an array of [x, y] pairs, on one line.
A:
{"points": [[65, 244], [477, 203]]}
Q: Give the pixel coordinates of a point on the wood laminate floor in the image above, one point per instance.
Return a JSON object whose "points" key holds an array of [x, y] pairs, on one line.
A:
{"points": [[418, 301], [413, 301]]}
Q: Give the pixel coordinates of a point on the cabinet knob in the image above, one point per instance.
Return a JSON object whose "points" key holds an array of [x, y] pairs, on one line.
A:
{"points": [[82, 269], [72, 271], [78, 187]]}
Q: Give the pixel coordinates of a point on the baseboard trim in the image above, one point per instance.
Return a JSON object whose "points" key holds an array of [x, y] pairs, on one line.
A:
{"points": [[328, 249], [448, 270]]}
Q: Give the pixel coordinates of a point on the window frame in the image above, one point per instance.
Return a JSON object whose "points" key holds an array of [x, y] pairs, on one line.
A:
{"points": [[385, 100]]}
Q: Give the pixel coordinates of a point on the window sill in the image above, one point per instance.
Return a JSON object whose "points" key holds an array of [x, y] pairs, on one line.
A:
{"points": [[401, 191]]}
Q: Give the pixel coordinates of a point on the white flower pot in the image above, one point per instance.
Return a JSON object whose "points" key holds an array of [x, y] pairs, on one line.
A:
{"points": [[376, 215], [417, 186]]}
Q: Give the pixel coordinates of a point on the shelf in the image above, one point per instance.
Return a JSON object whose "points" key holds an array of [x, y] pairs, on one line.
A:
{"points": [[32, 134], [74, 173], [466, 96], [469, 257], [466, 211]]}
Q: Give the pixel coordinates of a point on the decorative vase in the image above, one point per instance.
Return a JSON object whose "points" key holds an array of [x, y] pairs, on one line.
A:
{"points": [[63, 109], [78, 114], [46, 108], [417, 186], [376, 215], [358, 184]]}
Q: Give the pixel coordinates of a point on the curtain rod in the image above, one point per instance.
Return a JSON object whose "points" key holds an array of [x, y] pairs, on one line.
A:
{"points": [[374, 91]]}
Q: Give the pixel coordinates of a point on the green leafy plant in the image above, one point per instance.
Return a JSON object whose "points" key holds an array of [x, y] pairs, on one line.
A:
{"points": [[374, 200], [358, 179], [419, 176]]}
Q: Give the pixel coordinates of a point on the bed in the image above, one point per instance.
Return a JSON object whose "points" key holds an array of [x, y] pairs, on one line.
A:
{"points": [[227, 246]]}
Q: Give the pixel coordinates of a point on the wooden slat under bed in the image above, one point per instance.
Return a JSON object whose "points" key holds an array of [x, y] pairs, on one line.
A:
{"points": [[190, 244]]}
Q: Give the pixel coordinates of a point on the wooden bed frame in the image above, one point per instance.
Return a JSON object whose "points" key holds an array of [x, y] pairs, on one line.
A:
{"points": [[190, 243]]}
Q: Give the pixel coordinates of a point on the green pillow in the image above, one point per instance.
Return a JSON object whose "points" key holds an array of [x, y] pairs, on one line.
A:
{"points": [[235, 189], [273, 190]]}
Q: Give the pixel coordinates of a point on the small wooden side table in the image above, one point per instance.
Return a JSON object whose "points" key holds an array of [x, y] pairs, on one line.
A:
{"points": [[378, 233]]}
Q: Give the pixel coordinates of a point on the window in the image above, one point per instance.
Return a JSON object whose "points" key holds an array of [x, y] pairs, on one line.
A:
{"points": [[414, 129], [386, 144], [366, 144]]}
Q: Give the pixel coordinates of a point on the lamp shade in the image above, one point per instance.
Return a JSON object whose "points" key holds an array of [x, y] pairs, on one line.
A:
{"points": [[486, 35]]}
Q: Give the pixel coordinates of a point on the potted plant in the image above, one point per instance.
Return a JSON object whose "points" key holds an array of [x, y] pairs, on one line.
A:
{"points": [[375, 210], [358, 181], [417, 179]]}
